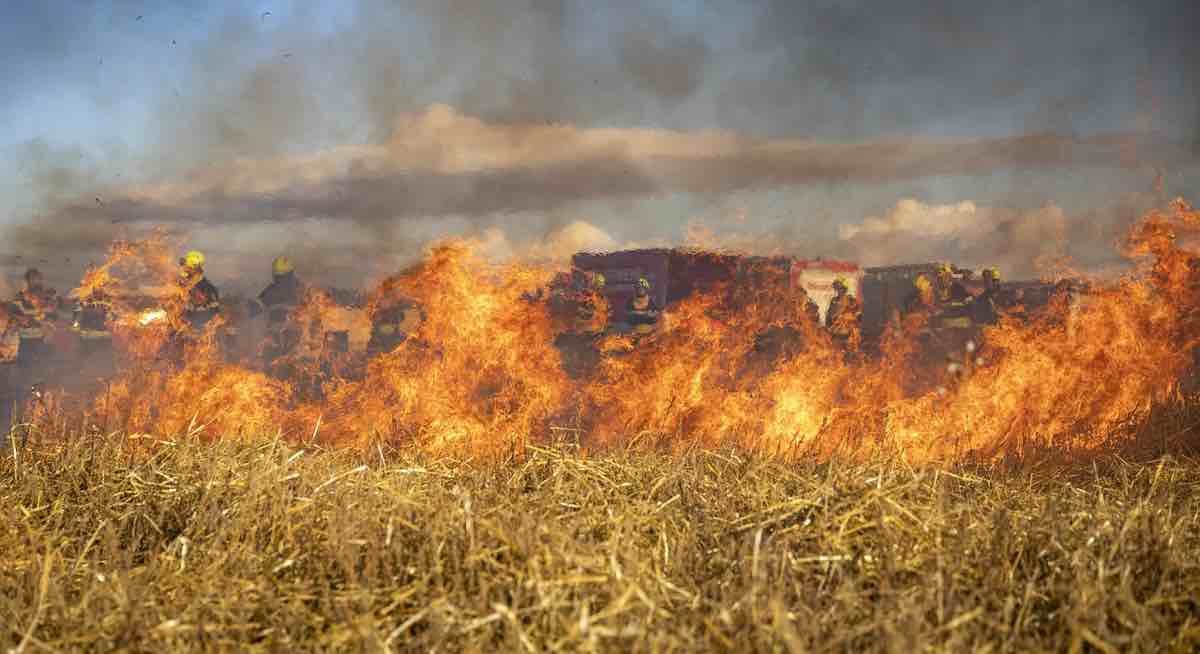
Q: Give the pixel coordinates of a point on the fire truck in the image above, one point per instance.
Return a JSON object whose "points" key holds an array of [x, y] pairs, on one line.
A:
{"points": [[677, 273], [817, 277]]}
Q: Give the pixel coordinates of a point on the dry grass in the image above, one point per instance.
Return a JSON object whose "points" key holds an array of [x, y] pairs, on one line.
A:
{"points": [[265, 547]]}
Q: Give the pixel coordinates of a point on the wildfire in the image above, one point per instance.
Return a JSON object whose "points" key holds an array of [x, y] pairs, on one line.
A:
{"points": [[480, 371]]}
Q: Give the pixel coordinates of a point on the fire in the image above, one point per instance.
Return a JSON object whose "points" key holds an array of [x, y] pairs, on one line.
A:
{"points": [[150, 316], [481, 372]]}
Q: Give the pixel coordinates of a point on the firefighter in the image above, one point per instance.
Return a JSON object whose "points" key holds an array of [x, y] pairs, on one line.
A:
{"points": [[843, 317], [954, 325], [279, 300], [90, 326], [387, 326], [35, 311], [90, 321], [201, 299], [912, 319], [336, 360], [643, 312], [950, 290], [587, 310], [1064, 306], [991, 279], [591, 316], [811, 310], [920, 300], [30, 318], [38, 297], [988, 304], [952, 301]]}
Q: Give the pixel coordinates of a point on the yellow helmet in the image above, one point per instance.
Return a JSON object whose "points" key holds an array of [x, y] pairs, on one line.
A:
{"points": [[840, 281], [193, 259], [642, 282], [598, 281], [944, 268], [281, 266], [922, 283], [994, 273]]}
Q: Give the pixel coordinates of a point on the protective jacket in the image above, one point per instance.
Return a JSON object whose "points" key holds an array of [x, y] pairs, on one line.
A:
{"points": [[843, 315], [33, 310], [387, 328], [954, 310], [642, 310], [280, 298], [203, 302]]}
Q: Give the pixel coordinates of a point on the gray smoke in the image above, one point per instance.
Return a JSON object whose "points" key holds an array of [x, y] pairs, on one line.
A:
{"points": [[810, 94]]}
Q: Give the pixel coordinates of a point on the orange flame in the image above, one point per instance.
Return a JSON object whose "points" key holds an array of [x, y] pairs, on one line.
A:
{"points": [[737, 365]]}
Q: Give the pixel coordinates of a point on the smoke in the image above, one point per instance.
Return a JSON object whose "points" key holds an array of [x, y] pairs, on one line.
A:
{"points": [[578, 236], [1022, 243], [350, 136], [440, 170], [671, 67], [856, 67]]}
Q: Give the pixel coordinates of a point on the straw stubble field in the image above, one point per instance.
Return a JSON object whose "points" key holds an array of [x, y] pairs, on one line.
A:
{"points": [[111, 544]]}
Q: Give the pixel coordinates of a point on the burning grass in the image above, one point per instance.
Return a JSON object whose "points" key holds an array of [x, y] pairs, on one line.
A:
{"points": [[480, 371], [125, 543], [184, 528]]}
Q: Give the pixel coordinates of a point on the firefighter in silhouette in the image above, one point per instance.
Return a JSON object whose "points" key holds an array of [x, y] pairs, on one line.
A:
{"points": [[949, 289], [202, 302], [279, 300], [337, 361], [915, 317], [779, 342], [1064, 306], [35, 312], [388, 325], [843, 317], [29, 320], [988, 305], [642, 311], [582, 318], [954, 327], [90, 321], [952, 302], [920, 301], [591, 307], [576, 302], [811, 310]]}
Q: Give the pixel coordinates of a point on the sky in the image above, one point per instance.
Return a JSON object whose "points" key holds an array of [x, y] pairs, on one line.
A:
{"points": [[350, 134]]}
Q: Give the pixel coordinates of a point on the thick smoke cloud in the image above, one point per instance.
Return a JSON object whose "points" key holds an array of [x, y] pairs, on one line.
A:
{"points": [[858, 66], [351, 204], [443, 164], [539, 106]]}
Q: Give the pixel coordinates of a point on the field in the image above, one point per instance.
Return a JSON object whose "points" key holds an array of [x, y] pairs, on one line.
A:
{"points": [[128, 544]]}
